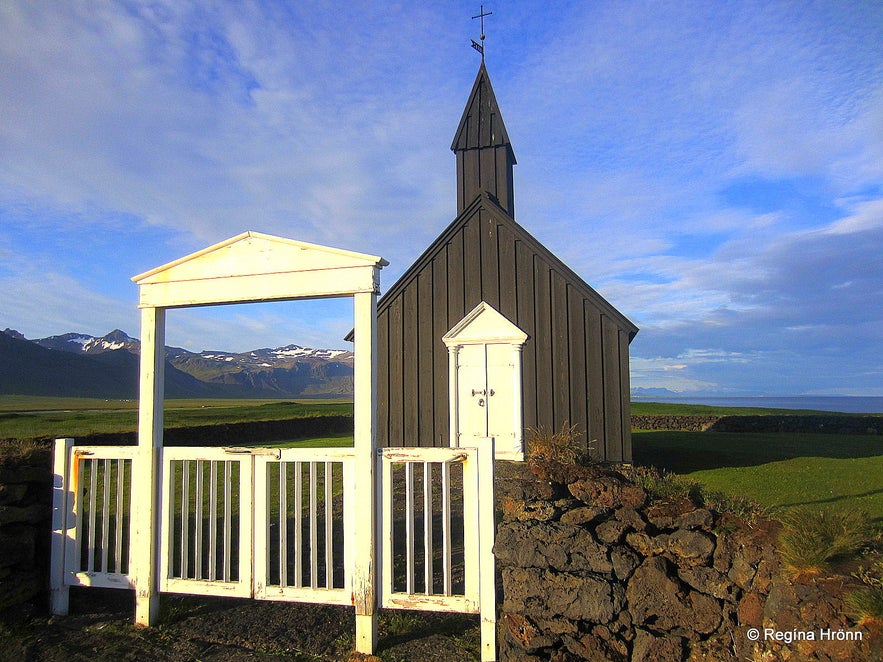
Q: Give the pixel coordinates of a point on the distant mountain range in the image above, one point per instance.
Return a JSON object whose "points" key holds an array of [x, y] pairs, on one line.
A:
{"points": [[76, 364]]}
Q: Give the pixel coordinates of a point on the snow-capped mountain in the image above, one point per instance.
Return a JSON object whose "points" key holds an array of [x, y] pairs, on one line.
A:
{"points": [[79, 343], [286, 371]]}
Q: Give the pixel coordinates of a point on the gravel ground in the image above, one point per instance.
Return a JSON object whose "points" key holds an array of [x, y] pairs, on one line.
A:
{"points": [[100, 627]]}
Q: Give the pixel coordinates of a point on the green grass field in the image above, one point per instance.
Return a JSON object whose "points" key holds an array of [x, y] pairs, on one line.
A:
{"points": [[779, 471], [23, 417]]}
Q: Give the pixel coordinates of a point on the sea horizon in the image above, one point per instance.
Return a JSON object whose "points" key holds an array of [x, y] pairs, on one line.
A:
{"points": [[845, 404]]}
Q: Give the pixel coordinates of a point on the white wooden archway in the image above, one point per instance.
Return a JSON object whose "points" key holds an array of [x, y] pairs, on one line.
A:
{"points": [[247, 268]]}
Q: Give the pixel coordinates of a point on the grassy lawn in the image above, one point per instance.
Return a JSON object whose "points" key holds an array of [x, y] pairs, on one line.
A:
{"points": [[342, 440], [30, 417], [777, 470]]}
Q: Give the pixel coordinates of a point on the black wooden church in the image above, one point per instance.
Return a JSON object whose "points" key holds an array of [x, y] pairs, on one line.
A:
{"points": [[574, 364]]}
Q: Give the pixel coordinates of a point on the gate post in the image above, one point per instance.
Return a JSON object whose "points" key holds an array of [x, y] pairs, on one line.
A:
{"points": [[366, 517], [487, 566], [62, 492], [144, 542]]}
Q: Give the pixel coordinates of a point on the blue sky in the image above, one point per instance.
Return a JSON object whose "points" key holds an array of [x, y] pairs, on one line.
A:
{"points": [[715, 170]]}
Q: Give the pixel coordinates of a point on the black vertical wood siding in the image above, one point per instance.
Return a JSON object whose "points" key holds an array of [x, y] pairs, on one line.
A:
{"points": [[574, 364]]}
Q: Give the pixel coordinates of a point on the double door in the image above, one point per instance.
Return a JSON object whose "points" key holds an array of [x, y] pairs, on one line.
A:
{"points": [[488, 404]]}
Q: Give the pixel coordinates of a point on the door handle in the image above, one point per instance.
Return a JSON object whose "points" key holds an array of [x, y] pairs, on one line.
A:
{"points": [[481, 392]]}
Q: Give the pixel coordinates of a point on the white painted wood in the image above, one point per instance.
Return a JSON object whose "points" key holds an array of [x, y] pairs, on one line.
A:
{"points": [[258, 267], [471, 526], [99, 580], [427, 528], [283, 522], [446, 526], [62, 498], [122, 494], [472, 398], [484, 353], [228, 520], [487, 531], [256, 253], [428, 454], [484, 325], [503, 401], [453, 394], [212, 548], [143, 561], [185, 516], [386, 538], [261, 544], [105, 516], [198, 548], [191, 578], [391, 458], [364, 443], [329, 525], [314, 533], [93, 498], [409, 528], [298, 524]]}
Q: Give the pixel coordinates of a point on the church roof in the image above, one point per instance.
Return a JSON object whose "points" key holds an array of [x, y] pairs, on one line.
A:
{"points": [[482, 123], [485, 203]]}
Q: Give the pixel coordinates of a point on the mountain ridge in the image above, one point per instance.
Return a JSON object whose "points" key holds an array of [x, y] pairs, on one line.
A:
{"points": [[107, 366]]}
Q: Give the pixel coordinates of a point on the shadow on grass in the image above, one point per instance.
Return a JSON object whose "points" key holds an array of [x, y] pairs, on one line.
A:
{"points": [[834, 500], [685, 452]]}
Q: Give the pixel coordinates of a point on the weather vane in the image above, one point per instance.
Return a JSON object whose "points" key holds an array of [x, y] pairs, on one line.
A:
{"points": [[480, 15]]}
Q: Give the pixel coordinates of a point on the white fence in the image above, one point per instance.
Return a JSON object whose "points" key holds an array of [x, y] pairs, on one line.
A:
{"points": [[276, 524]]}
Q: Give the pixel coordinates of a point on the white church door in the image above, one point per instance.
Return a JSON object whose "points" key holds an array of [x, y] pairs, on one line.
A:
{"points": [[485, 373]]}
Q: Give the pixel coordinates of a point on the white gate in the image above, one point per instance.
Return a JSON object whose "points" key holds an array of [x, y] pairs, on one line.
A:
{"points": [[268, 524], [276, 524]]}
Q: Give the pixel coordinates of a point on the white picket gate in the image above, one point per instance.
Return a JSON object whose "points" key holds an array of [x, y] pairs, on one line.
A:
{"points": [[276, 524]]}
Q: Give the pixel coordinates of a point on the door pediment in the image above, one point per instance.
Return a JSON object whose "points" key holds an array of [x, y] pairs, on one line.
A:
{"points": [[484, 325]]}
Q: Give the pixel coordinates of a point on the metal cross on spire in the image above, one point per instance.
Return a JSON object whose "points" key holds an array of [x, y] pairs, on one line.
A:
{"points": [[480, 15]]}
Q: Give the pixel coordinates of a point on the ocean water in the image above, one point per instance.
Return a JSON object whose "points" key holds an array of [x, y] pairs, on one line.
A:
{"points": [[842, 404]]}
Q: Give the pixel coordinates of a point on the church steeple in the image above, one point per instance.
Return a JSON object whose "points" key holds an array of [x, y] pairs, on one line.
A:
{"points": [[484, 153]]}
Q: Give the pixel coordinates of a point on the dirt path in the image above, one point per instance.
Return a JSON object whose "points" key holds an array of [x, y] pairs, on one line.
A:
{"points": [[99, 627]]}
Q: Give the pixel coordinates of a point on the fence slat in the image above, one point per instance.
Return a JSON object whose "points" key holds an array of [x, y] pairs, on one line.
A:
{"points": [[185, 517], [329, 526], [213, 521], [105, 514], [314, 551], [93, 497], [446, 527], [409, 528], [427, 528], [197, 511], [283, 523], [121, 500], [298, 524], [228, 519]]}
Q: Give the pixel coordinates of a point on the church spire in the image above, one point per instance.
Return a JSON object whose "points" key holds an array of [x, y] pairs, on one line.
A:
{"points": [[484, 153]]}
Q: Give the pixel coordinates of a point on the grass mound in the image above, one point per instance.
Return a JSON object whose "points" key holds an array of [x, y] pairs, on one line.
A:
{"points": [[812, 539]]}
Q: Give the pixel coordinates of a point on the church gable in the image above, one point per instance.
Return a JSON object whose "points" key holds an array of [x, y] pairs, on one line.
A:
{"points": [[573, 333]]}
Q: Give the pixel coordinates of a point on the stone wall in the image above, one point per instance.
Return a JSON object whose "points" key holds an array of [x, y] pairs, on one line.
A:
{"points": [[25, 526], [592, 570], [820, 424]]}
